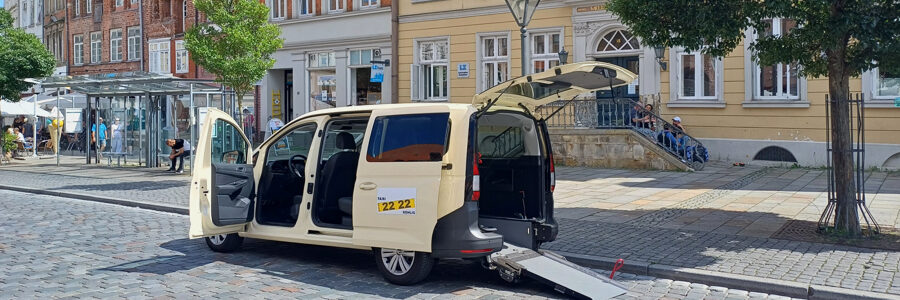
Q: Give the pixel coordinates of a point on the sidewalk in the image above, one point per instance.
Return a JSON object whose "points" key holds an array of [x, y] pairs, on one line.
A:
{"points": [[713, 226]]}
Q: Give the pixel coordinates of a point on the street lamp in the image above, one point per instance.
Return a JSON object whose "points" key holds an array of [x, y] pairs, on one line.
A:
{"points": [[660, 54], [563, 56], [522, 11]]}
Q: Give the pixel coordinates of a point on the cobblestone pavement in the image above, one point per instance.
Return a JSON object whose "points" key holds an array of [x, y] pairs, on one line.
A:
{"points": [[54, 247], [718, 219]]}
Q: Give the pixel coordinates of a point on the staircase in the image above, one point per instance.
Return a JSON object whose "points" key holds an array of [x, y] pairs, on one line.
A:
{"points": [[626, 114]]}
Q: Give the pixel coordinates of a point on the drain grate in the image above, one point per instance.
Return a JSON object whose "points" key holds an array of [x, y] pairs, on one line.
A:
{"points": [[681, 208]]}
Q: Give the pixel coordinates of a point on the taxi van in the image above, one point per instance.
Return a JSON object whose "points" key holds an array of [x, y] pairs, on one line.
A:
{"points": [[413, 183]]}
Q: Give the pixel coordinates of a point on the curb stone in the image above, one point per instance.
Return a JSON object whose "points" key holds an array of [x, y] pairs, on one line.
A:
{"points": [[108, 200], [698, 276], [731, 281]]}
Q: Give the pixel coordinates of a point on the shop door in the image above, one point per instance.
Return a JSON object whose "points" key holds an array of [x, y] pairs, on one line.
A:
{"points": [[287, 98]]}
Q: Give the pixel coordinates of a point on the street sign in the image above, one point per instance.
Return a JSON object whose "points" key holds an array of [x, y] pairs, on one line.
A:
{"points": [[462, 70], [377, 73]]}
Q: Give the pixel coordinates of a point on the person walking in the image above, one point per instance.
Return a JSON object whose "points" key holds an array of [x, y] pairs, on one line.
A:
{"points": [[99, 138], [180, 149], [118, 136]]}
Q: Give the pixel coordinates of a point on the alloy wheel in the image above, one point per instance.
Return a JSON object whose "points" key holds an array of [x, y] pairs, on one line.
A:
{"points": [[217, 239], [398, 262]]}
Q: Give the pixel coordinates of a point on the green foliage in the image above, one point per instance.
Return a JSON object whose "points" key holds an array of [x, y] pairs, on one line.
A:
{"points": [[8, 142], [858, 35], [21, 56], [237, 43]]}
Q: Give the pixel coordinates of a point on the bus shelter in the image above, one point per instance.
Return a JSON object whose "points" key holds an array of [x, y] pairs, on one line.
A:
{"points": [[139, 112]]}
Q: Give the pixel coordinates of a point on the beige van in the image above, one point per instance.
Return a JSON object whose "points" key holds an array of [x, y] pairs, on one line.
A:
{"points": [[411, 182]]}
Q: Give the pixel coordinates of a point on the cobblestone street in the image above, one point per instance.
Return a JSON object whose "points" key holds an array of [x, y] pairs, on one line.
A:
{"points": [[720, 219], [80, 249]]}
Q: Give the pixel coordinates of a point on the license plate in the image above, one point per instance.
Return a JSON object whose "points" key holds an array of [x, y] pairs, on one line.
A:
{"points": [[396, 205]]}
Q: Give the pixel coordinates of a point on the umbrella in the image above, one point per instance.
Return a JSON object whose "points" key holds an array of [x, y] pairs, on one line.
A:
{"points": [[21, 108]]}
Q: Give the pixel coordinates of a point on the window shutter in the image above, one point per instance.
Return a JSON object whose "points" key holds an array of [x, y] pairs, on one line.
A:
{"points": [[415, 78]]}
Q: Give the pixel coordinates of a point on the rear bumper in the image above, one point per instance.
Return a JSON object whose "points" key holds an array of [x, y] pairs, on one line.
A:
{"points": [[457, 235]]}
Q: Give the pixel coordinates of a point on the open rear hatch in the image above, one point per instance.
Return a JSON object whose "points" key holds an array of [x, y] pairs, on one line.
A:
{"points": [[516, 175]]}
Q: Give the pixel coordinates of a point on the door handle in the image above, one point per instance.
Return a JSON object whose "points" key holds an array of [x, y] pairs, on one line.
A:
{"points": [[367, 186]]}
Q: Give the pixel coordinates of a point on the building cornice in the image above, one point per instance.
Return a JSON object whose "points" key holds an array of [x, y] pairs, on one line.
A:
{"points": [[471, 12], [298, 48], [357, 13]]}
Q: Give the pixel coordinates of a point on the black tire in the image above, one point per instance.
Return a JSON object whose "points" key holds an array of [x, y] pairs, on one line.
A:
{"points": [[229, 243], [417, 270]]}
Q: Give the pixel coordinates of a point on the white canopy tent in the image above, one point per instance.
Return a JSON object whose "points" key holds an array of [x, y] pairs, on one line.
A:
{"points": [[21, 108]]}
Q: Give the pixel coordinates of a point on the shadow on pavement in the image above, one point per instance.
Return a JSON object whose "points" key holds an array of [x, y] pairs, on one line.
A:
{"points": [[333, 268]]}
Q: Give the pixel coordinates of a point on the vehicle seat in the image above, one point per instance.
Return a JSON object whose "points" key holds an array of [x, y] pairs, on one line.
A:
{"points": [[338, 179]]}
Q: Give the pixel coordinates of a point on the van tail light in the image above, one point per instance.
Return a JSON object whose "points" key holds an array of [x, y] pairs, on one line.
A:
{"points": [[476, 178], [552, 175]]}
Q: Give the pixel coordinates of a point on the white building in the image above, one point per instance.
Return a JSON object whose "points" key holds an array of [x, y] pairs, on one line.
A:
{"points": [[28, 15], [326, 61]]}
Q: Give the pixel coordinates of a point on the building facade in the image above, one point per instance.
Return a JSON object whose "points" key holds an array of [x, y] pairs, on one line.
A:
{"points": [[452, 49], [99, 35], [55, 33], [326, 61], [28, 15]]}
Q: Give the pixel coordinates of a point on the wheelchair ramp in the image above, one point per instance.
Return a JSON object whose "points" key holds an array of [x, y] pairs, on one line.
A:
{"points": [[515, 262]]}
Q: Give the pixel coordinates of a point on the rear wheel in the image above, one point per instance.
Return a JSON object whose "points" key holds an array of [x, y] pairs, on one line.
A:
{"points": [[403, 267], [224, 242]]}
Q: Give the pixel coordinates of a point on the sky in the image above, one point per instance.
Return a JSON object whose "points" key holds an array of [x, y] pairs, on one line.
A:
{"points": [[1, 4]]}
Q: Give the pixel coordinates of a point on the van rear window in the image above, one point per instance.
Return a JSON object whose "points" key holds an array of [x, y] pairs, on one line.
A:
{"points": [[406, 138]]}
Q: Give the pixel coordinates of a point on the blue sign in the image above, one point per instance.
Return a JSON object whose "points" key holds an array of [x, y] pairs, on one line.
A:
{"points": [[377, 73], [897, 102]]}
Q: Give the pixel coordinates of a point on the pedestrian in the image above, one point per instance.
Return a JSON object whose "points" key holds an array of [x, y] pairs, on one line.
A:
{"points": [[100, 138], [180, 149], [118, 135], [19, 123], [677, 122]]}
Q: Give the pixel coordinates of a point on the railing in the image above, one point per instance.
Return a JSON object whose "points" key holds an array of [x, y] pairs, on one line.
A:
{"points": [[622, 113], [507, 144]]}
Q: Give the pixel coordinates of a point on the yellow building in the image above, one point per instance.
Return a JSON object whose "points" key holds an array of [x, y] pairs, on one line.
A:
{"points": [[451, 49]]}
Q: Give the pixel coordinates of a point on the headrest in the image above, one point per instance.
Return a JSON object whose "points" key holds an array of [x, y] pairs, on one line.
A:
{"points": [[345, 141]]}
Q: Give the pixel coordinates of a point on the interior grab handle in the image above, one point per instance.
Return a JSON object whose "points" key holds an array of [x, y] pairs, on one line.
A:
{"points": [[367, 186]]}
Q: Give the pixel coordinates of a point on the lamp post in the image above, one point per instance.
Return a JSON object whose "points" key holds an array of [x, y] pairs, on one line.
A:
{"points": [[660, 54], [522, 11], [563, 56]]}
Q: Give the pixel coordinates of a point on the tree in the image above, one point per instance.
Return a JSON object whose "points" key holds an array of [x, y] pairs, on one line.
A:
{"points": [[838, 38], [237, 43], [21, 56]]}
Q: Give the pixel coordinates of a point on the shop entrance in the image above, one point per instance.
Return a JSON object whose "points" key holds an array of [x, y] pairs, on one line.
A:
{"points": [[287, 98], [363, 91]]}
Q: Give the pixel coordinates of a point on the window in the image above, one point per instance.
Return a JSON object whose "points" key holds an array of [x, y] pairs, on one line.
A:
{"points": [[430, 78], [697, 75], [77, 7], [120, 3], [134, 43], [115, 45], [78, 49], [408, 138], [96, 47], [89, 6], [356, 127], [322, 80], [886, 85], [159, 57], [297, 142], [181, 57], [277, 9], [368, 3], [228, 144], [544, 50], [779, 81], [306, 7], [134, 1], [494, 61], [360, 57], [335, 5], [618, 40]]}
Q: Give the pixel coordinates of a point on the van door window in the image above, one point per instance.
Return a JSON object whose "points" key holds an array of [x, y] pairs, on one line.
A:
{"points": [[407, 138], [228, 146]]}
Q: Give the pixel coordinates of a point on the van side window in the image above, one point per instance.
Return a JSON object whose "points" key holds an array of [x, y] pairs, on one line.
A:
{"points": [[297, 142], [408, 138], [227, 144]]}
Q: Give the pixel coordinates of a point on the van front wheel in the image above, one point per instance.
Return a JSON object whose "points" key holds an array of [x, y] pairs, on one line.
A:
{"points": [[224, 242], [403, 267]]}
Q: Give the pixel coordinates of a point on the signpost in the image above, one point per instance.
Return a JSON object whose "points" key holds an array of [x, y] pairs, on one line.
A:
{"points": [[462, 70]]}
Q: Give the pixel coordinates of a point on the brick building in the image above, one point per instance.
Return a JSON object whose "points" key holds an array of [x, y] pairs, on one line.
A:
{"points": [[165, 23], [104, 36], [55, 34]]}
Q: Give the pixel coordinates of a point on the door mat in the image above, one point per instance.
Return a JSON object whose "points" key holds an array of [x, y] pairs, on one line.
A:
{"points": [[806, 231]]}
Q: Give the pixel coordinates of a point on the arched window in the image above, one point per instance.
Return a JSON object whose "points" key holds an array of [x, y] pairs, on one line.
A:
{"points": [[618, 40], [775, 153]]}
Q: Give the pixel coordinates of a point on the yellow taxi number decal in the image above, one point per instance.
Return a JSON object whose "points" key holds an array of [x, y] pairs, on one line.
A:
{"points": [[396, 205]]}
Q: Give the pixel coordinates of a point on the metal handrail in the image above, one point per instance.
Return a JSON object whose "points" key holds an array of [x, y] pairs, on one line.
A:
{"points": [[624, 113]]}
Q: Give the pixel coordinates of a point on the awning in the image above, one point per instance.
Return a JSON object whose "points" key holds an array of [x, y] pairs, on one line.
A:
{"points": [[129, 84], [21, 108]]}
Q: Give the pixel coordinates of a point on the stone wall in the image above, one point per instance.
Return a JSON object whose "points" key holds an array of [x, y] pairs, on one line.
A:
{"points": [[609, 148]]}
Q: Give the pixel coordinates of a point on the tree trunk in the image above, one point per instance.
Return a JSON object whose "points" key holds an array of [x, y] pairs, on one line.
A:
{"points": [[846, 219]]}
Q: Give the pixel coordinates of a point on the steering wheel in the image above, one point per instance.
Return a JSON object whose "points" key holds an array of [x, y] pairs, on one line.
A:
{"points": [[297, 172]]}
